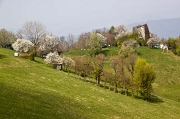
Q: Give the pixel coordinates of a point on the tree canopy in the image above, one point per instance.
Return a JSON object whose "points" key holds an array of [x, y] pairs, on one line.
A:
{"points": [[144, 76], [32, 31]]}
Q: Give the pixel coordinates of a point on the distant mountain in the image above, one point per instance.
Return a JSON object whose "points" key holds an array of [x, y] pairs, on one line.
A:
{"points": [[163, 28]]}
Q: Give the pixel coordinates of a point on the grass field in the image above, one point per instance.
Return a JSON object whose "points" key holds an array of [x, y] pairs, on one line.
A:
{"points": [[34, 90], [167, 67]]}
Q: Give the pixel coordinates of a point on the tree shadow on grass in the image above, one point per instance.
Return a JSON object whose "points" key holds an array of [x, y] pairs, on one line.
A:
{"points": [[138, 53], [155, 99], [38, 62], [2, 56], [152, 99]]}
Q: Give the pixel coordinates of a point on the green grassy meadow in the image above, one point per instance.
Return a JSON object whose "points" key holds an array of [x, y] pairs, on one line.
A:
{"points": [[33, 90]]}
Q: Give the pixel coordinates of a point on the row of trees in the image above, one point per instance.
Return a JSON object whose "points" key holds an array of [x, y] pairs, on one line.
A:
{"points": [[127, 70]]}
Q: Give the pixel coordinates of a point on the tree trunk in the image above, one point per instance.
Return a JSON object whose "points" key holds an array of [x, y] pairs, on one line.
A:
{"points": [[115, 84], [105, 83], [109, 85], [98, 80], [126, 92], [132, 91], [84, 76]]}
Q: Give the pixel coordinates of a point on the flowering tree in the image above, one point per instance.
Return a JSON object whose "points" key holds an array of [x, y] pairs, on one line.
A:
{"points": [[53, 58], [95, 46], [121, 30], [103, 40], [47, 42], [22, 45], [68, 62]]}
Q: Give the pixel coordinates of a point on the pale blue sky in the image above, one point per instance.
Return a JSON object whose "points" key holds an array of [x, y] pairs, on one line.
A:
{"points": [[62, 17]]}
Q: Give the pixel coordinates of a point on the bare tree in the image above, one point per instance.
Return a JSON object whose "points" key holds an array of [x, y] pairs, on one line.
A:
{"points": [[32, 31], [110, 39], [71, 41], [98, 65], [108, 78], [83, 40], [62, 45], [117, 65], [83, 66]]}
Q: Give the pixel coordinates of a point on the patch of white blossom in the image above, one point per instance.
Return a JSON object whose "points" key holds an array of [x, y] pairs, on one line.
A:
{"points": [[53, 58], [68, 61], [22, 45], [103, 39], [47, 42]]}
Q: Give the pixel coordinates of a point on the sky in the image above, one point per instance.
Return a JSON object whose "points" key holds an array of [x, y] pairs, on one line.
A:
{"points": [[62, 17]]}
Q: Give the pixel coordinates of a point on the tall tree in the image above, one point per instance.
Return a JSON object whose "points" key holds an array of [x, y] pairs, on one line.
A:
{"points": [[98, 65], [62, 45], [110, 39], [95, 46], [83, 40], [71, 41], [111, 31], [117, 65], [32, 31], [129, 57], [6, 38]]}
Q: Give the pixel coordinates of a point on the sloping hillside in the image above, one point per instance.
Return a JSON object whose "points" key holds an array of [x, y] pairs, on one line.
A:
{"points": [[167, 67], [35, 90]]}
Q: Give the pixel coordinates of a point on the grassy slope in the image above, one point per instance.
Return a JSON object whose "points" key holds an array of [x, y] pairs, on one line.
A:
{"points": [[167, 67], [34, 90]]}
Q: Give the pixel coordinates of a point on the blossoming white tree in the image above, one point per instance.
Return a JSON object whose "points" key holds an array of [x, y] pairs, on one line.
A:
{"points": [[53, 58], [103, 40], [47, 42], [121, 30], [69, 63], [22, 45]]}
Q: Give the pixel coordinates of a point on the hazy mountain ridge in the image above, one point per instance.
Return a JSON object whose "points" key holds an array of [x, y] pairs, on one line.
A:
{"points": [[163, 28]]}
